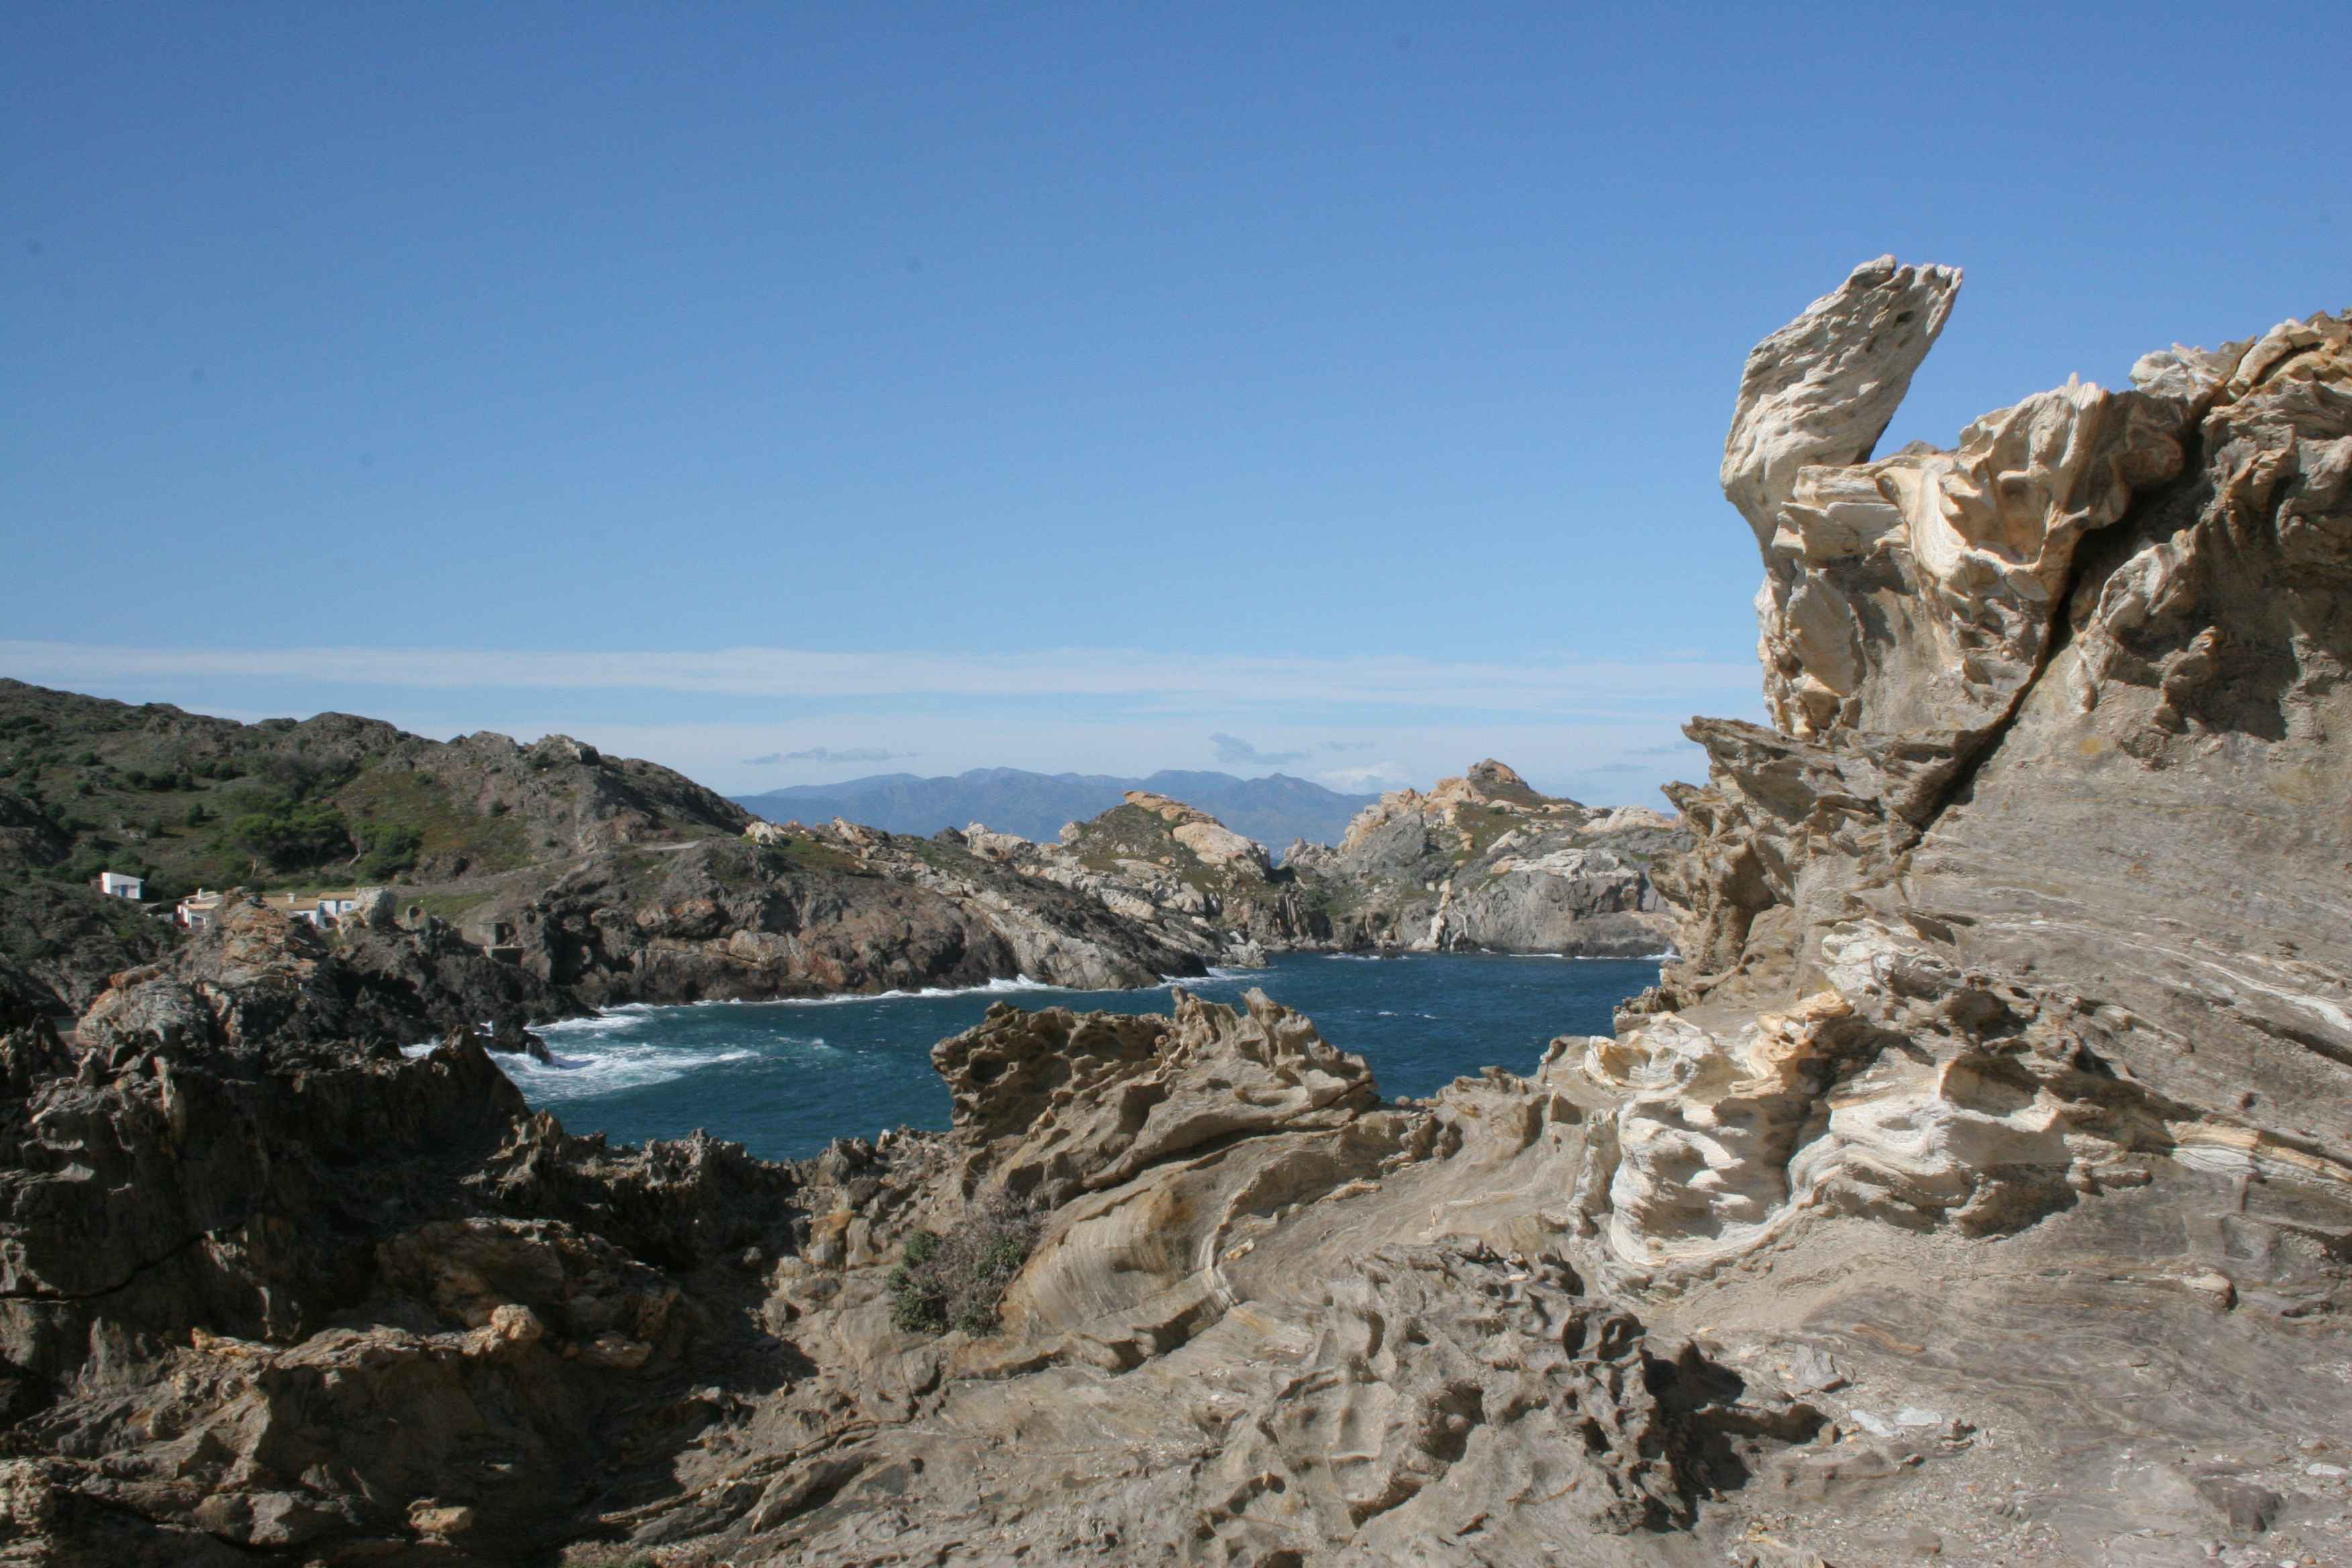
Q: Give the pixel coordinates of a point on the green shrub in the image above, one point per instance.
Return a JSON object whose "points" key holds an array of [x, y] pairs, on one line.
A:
{"points": [[957, 1281]]}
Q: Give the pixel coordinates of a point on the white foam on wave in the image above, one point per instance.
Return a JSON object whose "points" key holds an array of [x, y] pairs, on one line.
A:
{"points": [[610, 1021], [1356, 957], [1217, 974], [993, 987], [587, 1075]]}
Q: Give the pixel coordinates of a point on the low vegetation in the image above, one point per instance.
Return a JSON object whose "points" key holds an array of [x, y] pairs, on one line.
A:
{"points": [[957, 1281]]}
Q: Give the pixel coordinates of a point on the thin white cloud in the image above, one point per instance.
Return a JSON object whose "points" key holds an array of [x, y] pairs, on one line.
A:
{"points": [[827, 754], [1232, 750], [799, 672], [1365, 780]]}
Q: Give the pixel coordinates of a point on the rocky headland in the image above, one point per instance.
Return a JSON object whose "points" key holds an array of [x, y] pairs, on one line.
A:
{"points": [[1484, 861], [603, 879], [1975, 1188], [1481, 862]]}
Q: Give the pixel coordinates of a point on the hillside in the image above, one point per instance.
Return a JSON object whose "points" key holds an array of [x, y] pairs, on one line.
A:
{"points": [[613, 878], [1273, 810], [184, 799]]}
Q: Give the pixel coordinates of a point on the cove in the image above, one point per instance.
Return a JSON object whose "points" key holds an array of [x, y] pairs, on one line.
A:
{"points": [[786, 1079]]}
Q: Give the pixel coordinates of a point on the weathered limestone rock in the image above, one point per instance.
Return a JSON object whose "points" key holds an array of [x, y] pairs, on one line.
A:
{"points": [[1918, 590]]}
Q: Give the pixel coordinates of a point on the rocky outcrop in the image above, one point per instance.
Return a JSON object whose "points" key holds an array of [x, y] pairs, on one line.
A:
{"points": [[1484, 861], [1481, 862], [800, 911], [1261, 1351], [66, 940], [261, 1294], [256, 978], [1175, 870]]}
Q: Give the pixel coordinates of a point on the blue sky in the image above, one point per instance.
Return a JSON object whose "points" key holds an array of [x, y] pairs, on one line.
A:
{"points": [[879, 388]]}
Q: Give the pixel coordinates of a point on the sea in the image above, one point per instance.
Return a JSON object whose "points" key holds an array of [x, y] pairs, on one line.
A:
{"points": [[786, 1079]]}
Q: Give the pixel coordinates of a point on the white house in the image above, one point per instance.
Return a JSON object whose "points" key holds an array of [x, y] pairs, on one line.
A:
{"points": [[319, 909], [115, 884], [197, 910]]}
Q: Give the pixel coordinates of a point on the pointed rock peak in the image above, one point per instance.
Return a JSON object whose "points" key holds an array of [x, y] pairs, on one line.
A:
{"points": [[1823, 388], [1492, 774]]}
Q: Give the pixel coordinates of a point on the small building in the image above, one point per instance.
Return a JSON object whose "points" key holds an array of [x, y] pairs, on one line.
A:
{"points": [[319, 909], [195, 911], [115, 884]]}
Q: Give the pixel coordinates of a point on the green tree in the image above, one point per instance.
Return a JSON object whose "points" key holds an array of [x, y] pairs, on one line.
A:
{"points": [[290, 834], [389, 850]]}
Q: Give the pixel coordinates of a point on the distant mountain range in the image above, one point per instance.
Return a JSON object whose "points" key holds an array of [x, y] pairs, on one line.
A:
{"points": [[1273, 810]]}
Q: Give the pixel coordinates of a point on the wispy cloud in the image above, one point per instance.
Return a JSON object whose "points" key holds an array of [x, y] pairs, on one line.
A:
{"points": [[1124, 674], [1232, 749], [1365, 780], [1347, 745], [827, 754], [1671, 749]]}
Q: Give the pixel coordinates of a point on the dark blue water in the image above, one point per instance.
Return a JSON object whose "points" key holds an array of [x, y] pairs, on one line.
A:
{"points": [[787, 1077]]}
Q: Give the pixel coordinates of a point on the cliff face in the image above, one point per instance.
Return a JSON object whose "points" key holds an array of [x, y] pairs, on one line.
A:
{"points": [[2065, 706], [1978, 1187]]}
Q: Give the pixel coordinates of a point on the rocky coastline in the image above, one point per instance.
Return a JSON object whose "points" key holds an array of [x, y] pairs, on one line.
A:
{"points": [[1975, 1187], [1480, 863]]}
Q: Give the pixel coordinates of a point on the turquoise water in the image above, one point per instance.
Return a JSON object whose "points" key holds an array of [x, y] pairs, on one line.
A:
{"points": [[787, 1077]]}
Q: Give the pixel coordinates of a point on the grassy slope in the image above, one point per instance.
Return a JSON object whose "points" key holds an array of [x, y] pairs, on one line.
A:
{"points": [[154, 791]]}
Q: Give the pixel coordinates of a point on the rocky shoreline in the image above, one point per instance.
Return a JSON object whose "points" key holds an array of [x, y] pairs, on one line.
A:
{"points": [[1977, 1187]]}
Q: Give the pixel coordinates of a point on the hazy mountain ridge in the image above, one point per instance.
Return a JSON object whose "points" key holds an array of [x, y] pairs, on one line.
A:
{"points": [[1273, 810]]}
